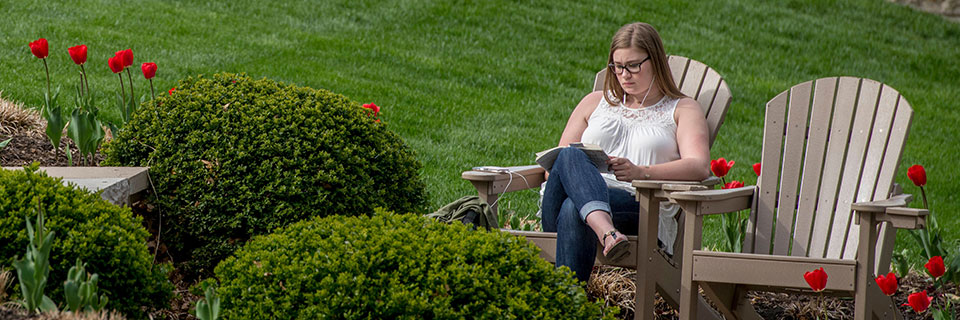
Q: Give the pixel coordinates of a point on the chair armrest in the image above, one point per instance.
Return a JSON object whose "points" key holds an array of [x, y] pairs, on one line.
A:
{"points": [[658, 184], [894, 211], [905, 218], [716, 201], [881, 205], [518, 178]]}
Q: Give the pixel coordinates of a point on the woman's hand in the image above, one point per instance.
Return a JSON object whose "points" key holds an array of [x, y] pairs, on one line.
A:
{"points": [[624, 170]]}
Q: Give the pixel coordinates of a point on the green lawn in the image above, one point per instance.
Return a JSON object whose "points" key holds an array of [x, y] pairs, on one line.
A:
{"points": [[467, 83]]}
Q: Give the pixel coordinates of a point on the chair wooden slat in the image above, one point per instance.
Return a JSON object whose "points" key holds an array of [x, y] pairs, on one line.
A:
{"points": [[853, 166], [766, 202], [678, 67], [599, 80], [708, 90], [796, 134], [718, 110], [898, 139], [833, 162], [693, 78], [823, 96]]}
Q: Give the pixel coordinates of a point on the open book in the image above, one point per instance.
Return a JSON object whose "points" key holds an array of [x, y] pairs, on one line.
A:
{"points": [[596, 155]]}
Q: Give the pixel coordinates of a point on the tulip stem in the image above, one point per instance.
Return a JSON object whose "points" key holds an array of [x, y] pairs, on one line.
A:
{"points": [[48, 74], [132, 99], [153, 96], [924, 194], [84, 83], [123, 98]]}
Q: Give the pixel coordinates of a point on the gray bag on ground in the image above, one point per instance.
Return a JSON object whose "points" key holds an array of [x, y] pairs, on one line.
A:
{"points": [[469, 210]]}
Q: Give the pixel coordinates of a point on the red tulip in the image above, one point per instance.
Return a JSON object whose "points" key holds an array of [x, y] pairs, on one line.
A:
{"points": [[39, 48], [116, 64], [172, 90], [373, 107], [917, 175], [733, 184], [935, 267], [126, 57], [817, 279], [78, 53], [887, 284], [919, 301], [149, 69], [720, 167], [756, 168]]}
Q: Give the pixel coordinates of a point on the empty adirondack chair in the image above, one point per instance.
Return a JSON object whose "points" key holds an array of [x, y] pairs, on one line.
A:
{"points": [[656, 271], [831, 148]]}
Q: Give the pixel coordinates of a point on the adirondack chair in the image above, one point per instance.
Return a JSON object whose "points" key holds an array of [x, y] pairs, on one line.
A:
{"points": [[823, 199], [658, 271]]}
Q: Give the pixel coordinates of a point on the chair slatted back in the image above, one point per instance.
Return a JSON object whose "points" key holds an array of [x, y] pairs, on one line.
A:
{"points": [[697, 81], [827, 144]]}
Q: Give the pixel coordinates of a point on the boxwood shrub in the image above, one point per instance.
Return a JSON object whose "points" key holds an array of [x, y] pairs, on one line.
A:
{"points": [[108, 238], [392, 266], [234, 157]]}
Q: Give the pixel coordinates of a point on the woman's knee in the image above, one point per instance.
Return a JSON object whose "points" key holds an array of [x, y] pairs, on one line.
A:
{"points": [[570, 153]]}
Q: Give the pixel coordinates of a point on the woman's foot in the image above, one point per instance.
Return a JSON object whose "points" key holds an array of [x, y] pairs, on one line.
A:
{"points": [[615, 245]]}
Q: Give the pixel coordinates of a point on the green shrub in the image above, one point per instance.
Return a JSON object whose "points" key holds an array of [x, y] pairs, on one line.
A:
{"points": [[108, 238], [395, 266], [234, 157]]}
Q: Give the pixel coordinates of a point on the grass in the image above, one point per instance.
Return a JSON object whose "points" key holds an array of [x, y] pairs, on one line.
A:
{"points": [[470, 83]]}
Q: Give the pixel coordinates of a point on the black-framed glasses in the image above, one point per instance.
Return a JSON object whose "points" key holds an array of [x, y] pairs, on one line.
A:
{"points": [[632, 68]]}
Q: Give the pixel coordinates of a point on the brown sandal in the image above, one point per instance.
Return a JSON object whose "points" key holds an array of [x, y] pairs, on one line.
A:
{"points": [[620, 246]]}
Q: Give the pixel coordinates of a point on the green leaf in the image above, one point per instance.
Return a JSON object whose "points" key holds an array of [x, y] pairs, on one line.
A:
{"points": [[4, 143], [48, 305]]}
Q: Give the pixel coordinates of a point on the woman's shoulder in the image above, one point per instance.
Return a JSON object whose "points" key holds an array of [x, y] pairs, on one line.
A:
{"points": [[589, 103], [687, 106], [593, 97], [687, 103]]}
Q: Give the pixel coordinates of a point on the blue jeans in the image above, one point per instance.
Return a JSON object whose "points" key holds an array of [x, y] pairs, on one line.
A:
{"points": [[575, 189]]}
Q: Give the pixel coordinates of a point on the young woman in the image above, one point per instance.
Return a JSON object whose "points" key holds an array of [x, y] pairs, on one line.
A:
{"points": [[649, 129]]}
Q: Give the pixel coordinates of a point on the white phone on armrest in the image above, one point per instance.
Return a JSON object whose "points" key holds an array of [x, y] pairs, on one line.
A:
{"points": [[492, 169]]}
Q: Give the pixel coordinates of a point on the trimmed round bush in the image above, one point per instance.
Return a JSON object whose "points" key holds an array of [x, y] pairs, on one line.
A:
{"points": [[108, 238], [391, 266], [234, 157]]}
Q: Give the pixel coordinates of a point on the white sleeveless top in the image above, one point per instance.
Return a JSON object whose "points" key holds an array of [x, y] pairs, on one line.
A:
{"points": [[645, 136]]}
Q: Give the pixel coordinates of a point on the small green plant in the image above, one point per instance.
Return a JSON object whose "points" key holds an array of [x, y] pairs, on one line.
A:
{"points": [[4, 143], [34, 268], [80, 290], [511, 219], [208, 307]]}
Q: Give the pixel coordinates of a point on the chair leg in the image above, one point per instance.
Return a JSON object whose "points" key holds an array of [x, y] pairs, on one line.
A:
{"points": [[881, 306], [689, 289], [647, 258]]}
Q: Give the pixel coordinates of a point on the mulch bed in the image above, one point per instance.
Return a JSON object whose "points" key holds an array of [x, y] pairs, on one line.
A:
{"points": [[616, 286]]}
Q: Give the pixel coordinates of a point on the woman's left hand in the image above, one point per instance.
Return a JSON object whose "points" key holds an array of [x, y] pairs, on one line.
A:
{"points": [[623, 169]]}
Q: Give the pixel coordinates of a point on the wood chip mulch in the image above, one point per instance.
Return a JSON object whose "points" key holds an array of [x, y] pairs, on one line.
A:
{"points": [[616, 286]]}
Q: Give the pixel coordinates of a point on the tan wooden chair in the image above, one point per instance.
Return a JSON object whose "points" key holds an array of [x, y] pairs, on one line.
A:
{"points": [[831, 148], [654, 269]]}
